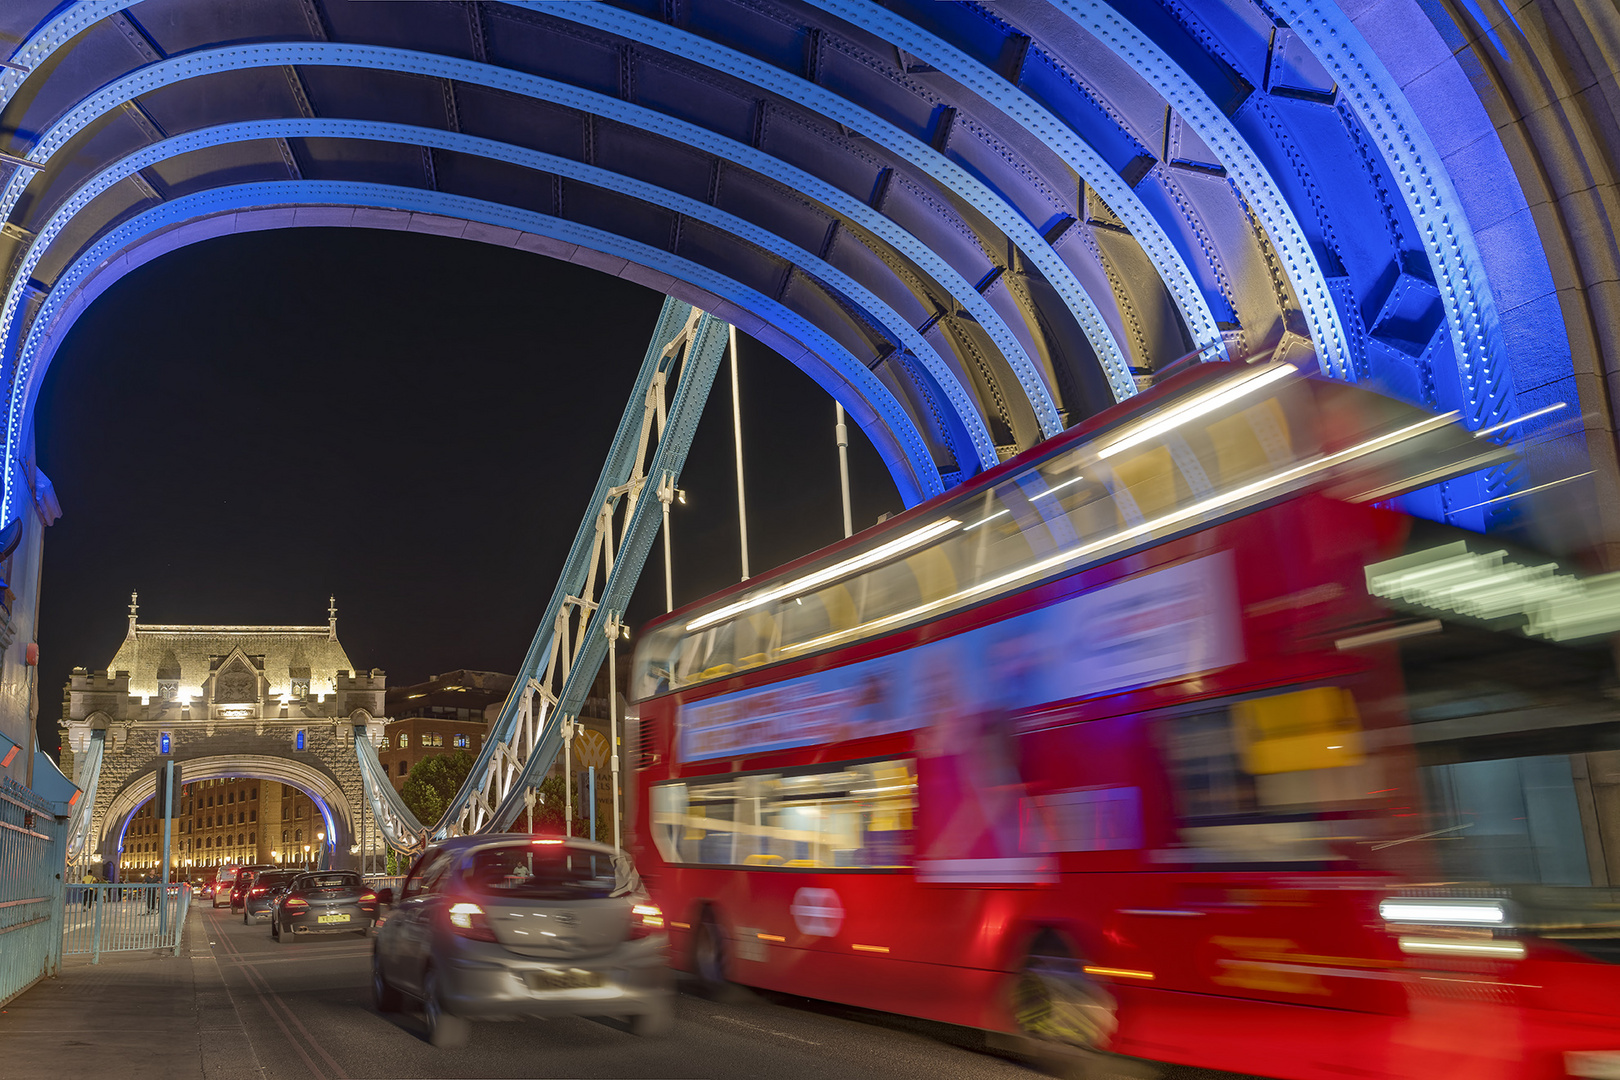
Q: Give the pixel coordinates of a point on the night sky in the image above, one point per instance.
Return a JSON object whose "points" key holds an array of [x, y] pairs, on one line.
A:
{"points": [[412, 423]]}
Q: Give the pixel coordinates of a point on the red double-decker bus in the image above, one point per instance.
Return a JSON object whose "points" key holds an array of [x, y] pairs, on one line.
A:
{"points": [[1110, 749]]}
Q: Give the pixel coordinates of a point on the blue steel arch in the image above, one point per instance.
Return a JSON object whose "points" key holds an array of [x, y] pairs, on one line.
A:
{"points": [[974, 192], [1170, 258], [1459, 267], [875, 408], [170, 72], [981, 447], [1431, 197]]}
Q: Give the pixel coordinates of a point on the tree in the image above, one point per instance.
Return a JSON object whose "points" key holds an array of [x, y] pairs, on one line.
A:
{"points": [[548, 806], [433, 782]]}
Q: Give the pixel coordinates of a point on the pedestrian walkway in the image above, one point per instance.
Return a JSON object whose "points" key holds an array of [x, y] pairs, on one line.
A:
{"points": [[135, 1016]]}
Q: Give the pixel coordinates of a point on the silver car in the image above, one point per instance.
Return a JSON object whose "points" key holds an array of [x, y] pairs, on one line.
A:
{"points": [[513, 925]]}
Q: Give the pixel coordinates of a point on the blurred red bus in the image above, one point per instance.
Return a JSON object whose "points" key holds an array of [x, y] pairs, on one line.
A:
{"points": [[1106, 748]]}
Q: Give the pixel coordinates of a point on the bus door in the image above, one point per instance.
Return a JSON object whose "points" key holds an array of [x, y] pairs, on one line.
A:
{"points": [[1272, 828]]}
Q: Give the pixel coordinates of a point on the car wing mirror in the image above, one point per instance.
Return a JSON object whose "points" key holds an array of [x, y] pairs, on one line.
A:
{"points": [[385, 896]]}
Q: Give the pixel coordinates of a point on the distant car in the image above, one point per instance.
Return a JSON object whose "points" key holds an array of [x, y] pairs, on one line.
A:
{"points": [[509, 926], [323, 902], [259, 896], [244, 879], [224, 878]]}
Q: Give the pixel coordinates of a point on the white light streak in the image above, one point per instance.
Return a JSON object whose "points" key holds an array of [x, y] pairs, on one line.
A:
{"points": [[1208, 402], [1443, 911], [915, 538]]}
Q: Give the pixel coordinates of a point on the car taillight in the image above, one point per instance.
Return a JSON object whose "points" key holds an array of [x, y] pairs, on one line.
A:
{"points": [[256, 892], [646, 919], [368, 899], [293, 903], [468, 921]]}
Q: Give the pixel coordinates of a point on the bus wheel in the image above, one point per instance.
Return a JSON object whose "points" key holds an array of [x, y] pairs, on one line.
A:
{"points": [[1055, 1001], [709, 956]]}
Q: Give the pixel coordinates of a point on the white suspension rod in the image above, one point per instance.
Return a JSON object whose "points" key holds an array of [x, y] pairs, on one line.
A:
{"points": [[736, 427]]}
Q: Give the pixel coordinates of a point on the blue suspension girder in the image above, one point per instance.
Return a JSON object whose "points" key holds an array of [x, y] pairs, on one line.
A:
{"points": [[597, 578], [398, 825], [572, 639], [86, 774]]}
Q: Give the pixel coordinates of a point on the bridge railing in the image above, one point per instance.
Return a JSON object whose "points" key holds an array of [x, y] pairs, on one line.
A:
{"points": [[123, 918], [33, 843]]}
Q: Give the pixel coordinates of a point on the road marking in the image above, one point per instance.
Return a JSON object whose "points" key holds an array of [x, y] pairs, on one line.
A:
{"points": [[765, 1031], [264, 989]]}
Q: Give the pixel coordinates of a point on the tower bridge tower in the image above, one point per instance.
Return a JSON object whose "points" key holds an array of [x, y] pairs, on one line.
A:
{"points": [[273, 702]]}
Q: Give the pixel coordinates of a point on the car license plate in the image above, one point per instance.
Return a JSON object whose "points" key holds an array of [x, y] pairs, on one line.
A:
{"points": [[564, 980], [333, 917]]}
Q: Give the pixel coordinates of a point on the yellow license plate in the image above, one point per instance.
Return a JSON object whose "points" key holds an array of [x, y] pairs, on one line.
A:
{"points": [[336, 916]]}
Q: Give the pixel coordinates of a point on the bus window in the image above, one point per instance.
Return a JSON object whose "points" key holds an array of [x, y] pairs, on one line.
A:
{"points": [[844, 817], [1253, 779]]}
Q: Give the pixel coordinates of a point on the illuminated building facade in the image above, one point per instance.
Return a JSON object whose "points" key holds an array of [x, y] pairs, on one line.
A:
{"points": [[262, 722]]}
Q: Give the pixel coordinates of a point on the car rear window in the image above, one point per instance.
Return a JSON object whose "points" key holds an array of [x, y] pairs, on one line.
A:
{"points": [[542, 872], [329, 881]]}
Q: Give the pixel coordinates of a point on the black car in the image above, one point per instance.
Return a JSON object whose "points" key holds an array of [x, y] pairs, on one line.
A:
{"points": [[259, 895], [323, 902]]}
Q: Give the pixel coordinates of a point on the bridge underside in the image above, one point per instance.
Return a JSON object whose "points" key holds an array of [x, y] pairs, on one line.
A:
{"points": [[973, 224]]}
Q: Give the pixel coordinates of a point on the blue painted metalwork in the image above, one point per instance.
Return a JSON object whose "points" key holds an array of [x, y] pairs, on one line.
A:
{"points": [[397, 823], [1187, 97], [616, 470], [1178, 57], [1169, 259], [982, 447], [124, 918], [1430, 197], [193, 64], [33, 845], [74, 19], [898, 142], [891, 430], [702, 361], [86, 774]]}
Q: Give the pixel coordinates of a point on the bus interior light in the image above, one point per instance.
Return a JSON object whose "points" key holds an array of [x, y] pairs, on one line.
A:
{"points": [[1174, 417], [1469, 912], [1187, 513], [1055, 488], [984, 520], [817, 578]]}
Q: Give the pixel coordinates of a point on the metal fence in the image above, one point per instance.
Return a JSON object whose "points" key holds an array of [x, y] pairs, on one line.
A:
{"points": [[123, 918], [33, 848]]}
